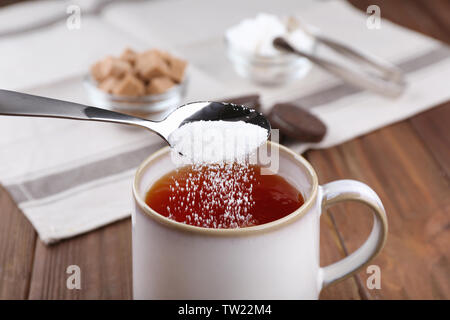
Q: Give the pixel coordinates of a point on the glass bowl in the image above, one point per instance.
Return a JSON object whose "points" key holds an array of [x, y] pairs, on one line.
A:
{"points": [[146, 104], [268, 70]]}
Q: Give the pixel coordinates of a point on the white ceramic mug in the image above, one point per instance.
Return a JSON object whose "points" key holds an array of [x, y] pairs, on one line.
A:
{"points": [[277, 260]]}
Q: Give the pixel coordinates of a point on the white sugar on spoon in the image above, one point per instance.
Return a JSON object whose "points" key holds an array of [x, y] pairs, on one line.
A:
{"points": [[203, 142]]}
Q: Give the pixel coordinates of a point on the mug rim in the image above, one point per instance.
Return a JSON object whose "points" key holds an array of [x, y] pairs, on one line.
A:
{"points": [[262, 228]]}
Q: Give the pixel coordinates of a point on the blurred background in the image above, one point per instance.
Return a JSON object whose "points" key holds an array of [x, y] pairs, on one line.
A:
{"points": [[64, 196]]}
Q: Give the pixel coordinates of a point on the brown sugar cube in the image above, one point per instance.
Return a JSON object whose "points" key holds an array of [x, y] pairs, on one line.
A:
{"points": [[177, 67], [129, 86], [96, 71], [150, 64], [114, 67], [108, 84], [129, 55], [159, 85], [151, 52], [110, 67], [164, 55]]}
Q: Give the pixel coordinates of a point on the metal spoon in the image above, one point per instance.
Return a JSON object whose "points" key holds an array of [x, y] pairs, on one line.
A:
{"points": [[20, 104]]}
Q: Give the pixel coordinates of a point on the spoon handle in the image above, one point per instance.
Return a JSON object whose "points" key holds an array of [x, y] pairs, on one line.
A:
{"points": [[20, 104]]}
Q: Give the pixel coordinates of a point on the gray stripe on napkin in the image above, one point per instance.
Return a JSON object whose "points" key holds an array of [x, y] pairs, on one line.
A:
{"points": [[46, 186], [425, 60], [17, 193], [341, 90]]}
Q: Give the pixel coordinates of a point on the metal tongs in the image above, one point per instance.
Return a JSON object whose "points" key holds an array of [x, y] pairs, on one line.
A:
{"points": [[384, 78]]}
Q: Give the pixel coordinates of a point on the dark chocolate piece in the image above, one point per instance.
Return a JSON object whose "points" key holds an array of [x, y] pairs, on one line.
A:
{"points": [[296, 122], [251, 101]]}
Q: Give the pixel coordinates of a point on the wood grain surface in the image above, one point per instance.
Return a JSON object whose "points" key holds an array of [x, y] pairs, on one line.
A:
{"points": [[407, 164]]}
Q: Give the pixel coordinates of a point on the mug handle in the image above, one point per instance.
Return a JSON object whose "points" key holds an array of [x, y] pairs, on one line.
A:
{"points": [[342, 190]]}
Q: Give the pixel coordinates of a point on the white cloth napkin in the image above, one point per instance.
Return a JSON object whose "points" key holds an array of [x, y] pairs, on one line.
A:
{"points": [[70, 177]]}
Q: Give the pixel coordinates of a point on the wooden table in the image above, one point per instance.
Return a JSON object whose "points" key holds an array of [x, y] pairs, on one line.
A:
{"points": [[407, 164]]}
